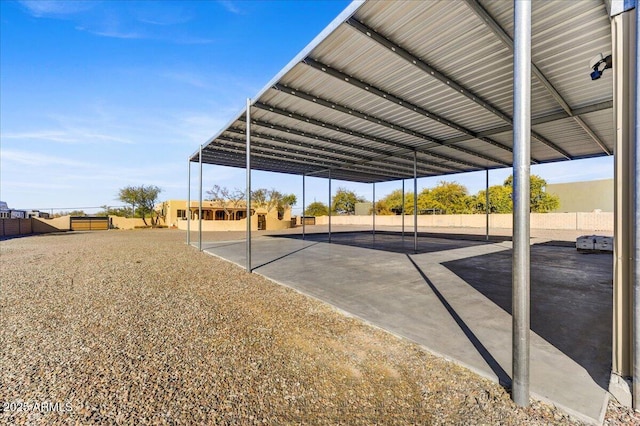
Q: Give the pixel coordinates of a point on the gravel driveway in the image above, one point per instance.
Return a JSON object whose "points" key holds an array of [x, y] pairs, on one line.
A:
{"points": [[135, 327]]}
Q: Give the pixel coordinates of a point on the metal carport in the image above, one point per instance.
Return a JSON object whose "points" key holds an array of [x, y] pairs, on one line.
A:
{"points": [[401, 90]]}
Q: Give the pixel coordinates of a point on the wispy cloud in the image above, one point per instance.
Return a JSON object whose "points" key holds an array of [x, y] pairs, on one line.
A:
{"points": [[162, 21], [230, 6], [186, 77], [59, 8], [35, 159], [68, 136], [113, 33]]}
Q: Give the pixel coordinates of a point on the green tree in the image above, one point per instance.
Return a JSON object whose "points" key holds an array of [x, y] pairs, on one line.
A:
{"points": [[143, 197], [70, 213], [114, 211], [541, 201], [448, 197], [408, 203], [391, 203], [272, 199], [382, 208], [500, 200], [316, 209], [344, 201]]}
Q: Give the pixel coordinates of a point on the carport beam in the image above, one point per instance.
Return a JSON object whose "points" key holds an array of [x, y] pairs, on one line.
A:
{"points": [[200, 203], [248, 189], [521, 216]]}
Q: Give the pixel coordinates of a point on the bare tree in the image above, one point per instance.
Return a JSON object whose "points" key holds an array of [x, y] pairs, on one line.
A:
{"points": [[236, 198], [219, 195], [227, 199]]}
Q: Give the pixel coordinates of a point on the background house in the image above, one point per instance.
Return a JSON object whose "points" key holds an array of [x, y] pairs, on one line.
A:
{"points": [[222, 216]]}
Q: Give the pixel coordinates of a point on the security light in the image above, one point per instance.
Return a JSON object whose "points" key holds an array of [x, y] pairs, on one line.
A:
{"points": [[598, 64]]}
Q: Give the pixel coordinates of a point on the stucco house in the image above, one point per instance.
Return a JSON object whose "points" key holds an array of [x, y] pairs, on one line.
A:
{"points": [[222, 216]]}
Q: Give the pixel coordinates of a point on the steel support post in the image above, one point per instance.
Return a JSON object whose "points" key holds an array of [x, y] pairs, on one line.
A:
{"points": [[636, 225], [415, 201], [200, 203], [625, 336], [304, 206], [521, 212], [188, 210], [248, 186], [486, 204], [329, 205], [403, 211], [374, 211]]}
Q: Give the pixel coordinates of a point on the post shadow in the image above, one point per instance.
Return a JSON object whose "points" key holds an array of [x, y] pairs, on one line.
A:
{"points": [[503, 378]]}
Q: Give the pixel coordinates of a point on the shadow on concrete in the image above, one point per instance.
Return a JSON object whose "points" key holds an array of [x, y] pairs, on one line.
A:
{"points": [[555, 243], [396, 243], [571, 299], [282, 257], [503, 377]]}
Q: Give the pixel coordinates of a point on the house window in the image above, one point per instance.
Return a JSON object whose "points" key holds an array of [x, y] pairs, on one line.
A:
{"points": [[182, 214], [220, 215]]}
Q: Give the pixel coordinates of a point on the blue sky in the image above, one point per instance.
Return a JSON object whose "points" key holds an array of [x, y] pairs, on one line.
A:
{"points": [[99, 95]]}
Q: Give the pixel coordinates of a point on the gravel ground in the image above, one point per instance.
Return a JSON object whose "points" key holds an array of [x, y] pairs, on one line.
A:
{"points": [[135, 327]]}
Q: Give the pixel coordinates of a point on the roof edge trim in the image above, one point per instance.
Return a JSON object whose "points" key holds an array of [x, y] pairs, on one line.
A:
{"points": [[339, 20]]}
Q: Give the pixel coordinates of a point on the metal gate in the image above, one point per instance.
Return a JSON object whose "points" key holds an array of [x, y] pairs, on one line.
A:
{"points": [[89, 223]]}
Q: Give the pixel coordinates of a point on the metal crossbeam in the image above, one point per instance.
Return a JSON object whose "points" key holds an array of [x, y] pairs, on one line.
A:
{"points": [[381, 153], [344, 109], [275, 153], [312, 150], [507, 41], [446, 80], [399, 101], [330, 126], [387, 158], [379, 38], [556, 116]]}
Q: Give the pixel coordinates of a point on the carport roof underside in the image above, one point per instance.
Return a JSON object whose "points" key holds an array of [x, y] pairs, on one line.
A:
{"points": [[386, 79]]}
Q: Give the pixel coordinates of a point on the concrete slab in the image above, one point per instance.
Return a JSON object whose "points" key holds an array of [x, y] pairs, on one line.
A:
{"points": [[451, 298]]}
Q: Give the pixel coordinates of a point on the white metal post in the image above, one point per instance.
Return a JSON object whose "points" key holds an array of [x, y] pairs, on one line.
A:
{"points": [[636, 225], [415, 201], [200, 204], [329, 205], [486, 204], [403, 212], [624, 88], [304, 207], [521, 208], [248, 186], [374, 211], [188, 211]]}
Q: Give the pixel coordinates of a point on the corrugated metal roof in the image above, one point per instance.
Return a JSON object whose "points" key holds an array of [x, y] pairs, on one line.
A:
{"points": [[386, 79]]}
